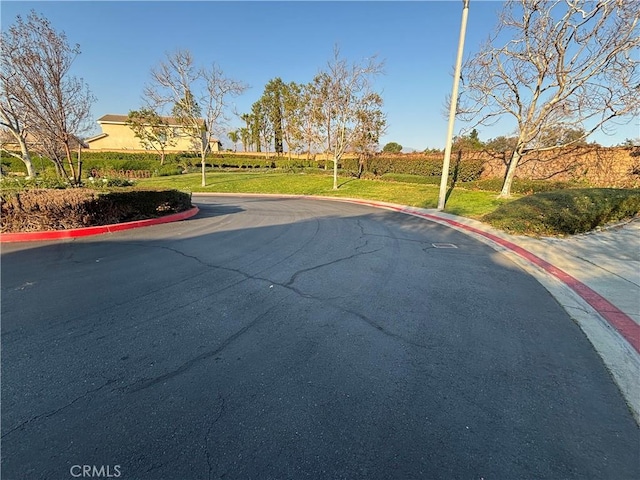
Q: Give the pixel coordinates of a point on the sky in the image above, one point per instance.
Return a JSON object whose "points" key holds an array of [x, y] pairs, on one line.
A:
{"points": [[256, 41]]}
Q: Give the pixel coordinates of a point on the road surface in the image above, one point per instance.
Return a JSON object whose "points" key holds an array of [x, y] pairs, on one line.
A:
{"points": [[278, 338]]}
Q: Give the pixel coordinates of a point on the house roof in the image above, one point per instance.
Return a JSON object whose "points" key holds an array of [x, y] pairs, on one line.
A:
{"points": [[114, 118], [95, 137]]}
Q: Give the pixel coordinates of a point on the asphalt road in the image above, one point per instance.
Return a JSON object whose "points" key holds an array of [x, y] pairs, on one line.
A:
{"points": [[292, 339]]}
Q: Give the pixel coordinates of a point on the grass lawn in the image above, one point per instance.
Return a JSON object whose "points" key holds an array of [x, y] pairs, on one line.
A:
{"points": [[462, 202]]}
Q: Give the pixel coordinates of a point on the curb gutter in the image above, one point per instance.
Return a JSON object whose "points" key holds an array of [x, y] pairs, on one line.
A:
{"points": [[98, 230]]}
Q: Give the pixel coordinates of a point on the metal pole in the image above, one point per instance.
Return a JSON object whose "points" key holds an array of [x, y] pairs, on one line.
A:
{"points": [[452, 108]]}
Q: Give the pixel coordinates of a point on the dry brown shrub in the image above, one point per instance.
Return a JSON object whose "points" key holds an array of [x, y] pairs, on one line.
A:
{"points": [[36, 210], [39, 210]]}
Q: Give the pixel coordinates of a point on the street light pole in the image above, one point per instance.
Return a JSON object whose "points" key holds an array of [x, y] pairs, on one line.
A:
{"points": [[452, 108]]}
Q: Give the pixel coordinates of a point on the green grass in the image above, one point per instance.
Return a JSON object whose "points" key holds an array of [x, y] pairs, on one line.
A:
{"points": [[560, 212], [461, 202]]}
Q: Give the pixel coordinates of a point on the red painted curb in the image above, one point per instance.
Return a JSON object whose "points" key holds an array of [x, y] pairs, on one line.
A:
{"points": [[87, 231], [619, 320]]}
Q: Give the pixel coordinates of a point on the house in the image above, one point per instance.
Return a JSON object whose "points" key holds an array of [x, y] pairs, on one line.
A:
{"points": [[117, 136]]}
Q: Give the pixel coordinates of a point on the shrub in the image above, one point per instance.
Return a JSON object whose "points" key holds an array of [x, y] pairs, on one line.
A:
{"points": [[36, 210], [459, 171], [563, 212], [167, 170]]}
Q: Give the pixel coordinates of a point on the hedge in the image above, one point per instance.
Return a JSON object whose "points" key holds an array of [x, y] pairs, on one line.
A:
{"points": [[37, 210], [378, 165], [566, 212]]}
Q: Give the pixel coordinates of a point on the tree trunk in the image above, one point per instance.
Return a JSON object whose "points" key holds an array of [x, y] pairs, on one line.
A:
{"points": [[60, 171], [161, 157], [26, 159], [204, 177], [360, 167], [79, 168], [67, 152], [511, 172], [25, 156], [335, 172]]}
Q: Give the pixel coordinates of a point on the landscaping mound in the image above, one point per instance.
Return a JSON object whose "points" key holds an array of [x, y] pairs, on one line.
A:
{"points": [[40, 210], [566, 212]]}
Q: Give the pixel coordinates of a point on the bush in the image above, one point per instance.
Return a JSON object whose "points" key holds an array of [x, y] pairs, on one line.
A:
{"points": [[565, 212], [17, 183], [459, 171], [37, 210], [168, 170]]}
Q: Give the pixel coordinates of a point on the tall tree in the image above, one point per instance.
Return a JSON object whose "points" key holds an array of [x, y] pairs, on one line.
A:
{"points": [[153, 131], [566, 64], [272, 106], [262, 126], [252, 121], [292, 116], [39, 96], [346, 91]]}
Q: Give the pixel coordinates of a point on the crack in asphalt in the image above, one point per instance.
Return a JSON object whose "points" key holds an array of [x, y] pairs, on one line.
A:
{"points": [[379, 327], [289, 286], [326, 264], [57, 410], [149, 382]]}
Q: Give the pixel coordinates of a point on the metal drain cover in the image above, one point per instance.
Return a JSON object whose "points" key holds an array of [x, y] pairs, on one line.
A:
{"points": [[444, 245]]}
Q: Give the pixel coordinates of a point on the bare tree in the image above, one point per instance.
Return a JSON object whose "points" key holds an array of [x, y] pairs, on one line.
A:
{"points": [[568, 65], [39, 97], [171, 91], [346, 91], [218, 90], [198, 98], [153, 131]]}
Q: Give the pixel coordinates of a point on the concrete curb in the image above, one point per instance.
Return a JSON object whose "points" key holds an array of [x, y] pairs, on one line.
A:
{"points": [[88, 231]]}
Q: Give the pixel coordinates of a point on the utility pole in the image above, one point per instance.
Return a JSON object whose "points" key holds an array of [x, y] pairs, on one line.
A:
{"points": [[452, 108]]}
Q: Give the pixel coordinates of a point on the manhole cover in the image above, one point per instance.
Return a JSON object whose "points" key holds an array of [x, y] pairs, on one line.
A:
{"points": [[443, 245]]}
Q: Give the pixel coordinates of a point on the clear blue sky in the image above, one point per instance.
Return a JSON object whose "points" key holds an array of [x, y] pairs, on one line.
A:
{"points": [[257, 41]]}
